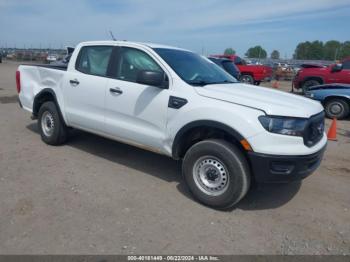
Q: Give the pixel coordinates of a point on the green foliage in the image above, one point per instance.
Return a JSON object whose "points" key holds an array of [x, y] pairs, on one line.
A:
{"points": [[229, 51], [344, 50], [309, 50], [275, 54], [316, 50], [256, 52], [331, 50]]}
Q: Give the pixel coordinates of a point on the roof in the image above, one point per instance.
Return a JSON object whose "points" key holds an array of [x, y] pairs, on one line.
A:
{"points": [[111, 42]]}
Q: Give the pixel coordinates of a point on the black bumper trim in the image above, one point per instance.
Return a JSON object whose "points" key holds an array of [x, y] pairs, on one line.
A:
{"points": [[275, 169]]}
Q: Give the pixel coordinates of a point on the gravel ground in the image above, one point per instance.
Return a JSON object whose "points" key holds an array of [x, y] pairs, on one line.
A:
{"points": [[97, 196]]}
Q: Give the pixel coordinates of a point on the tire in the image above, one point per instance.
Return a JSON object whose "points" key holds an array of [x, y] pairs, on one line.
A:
{"points": [[52, 128], [309, 83], [257, 83], [248, 79], [337, 108], [229, 182]]}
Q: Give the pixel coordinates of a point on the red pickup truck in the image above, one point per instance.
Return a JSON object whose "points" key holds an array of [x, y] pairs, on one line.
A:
{"points": [[317, 75], [252, 74]]}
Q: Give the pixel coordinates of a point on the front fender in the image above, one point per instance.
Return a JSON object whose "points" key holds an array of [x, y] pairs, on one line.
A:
{"points": [[241, 120]]}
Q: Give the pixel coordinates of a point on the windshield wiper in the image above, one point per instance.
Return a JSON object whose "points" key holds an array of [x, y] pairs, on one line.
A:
{"points": [[200, 83], [224, 82], [204, 83]]}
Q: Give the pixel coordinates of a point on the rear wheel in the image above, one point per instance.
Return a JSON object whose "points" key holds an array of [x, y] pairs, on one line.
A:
{"points": [[247, 79], [53, 130], [337, 108], [217, 173], [309, 83]]}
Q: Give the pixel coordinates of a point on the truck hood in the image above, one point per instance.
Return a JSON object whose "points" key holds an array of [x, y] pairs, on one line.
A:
{"points": [[272, 102]]}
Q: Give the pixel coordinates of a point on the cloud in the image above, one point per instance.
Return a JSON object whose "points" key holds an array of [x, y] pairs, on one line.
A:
{"points": [[61, 22]]}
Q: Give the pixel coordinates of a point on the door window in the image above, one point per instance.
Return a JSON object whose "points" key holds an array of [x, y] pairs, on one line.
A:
{"points": [[94, 60], [132, 61]]}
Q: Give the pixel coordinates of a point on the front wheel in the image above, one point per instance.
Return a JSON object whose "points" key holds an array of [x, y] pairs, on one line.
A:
{"points": [[309, 83], [337, 108], [248, 79], [217, 173]]}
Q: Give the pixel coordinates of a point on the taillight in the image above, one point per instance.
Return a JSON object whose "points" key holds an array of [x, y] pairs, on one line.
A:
{"points": [[18, 81]]}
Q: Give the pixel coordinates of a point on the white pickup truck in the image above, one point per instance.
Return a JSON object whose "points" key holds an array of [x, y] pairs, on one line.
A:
{"points": [[180, 104]]}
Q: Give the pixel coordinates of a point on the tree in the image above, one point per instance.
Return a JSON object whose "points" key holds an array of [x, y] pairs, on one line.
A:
{"points": [[301, 51], [316, 50], [309, 50], [331, 50], [256, 52], [344, 50], [275, 54], [229, 51]]}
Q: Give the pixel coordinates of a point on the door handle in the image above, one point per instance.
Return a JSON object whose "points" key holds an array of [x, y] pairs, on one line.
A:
{"points": [[116, 90], [74, 82]]}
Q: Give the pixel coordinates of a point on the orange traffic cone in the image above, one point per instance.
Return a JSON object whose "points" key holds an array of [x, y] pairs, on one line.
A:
{"points": [[275, 84], [332, 132]]}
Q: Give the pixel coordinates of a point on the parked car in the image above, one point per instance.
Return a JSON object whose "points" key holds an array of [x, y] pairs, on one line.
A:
{"points": [[334, 97], [251, 74], [51, 58], [0, 57], [64, 62], [227, 65], [314, 75], [178, 103]]}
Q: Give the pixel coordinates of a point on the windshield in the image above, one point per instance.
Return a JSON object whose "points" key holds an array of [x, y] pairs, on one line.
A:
{"points": [[194, 69]]}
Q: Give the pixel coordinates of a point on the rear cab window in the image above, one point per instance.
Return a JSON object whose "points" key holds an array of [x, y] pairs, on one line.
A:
{"points": [[94, 60]]}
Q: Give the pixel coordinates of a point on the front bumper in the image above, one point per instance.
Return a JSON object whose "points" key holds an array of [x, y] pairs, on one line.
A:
{"points": [[276, 169]]}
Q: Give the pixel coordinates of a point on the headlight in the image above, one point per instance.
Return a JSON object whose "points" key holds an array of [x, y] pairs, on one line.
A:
{"points": [[308, 94], [283, 125]]}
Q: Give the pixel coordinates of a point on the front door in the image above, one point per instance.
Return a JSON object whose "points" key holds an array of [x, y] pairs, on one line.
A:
{"points": [[136, 113]]}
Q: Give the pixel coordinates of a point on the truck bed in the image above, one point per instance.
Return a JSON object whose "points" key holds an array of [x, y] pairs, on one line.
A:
{"points": [[35, 78], [62, 67]]}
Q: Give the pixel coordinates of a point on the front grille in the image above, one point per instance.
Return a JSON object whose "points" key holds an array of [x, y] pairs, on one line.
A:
{"points": [[314, 130]]}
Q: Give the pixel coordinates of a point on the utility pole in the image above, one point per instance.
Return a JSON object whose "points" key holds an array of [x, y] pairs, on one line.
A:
{"points": [[336, 54]]}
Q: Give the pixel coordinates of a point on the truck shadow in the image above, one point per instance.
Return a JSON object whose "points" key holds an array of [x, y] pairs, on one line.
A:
{"points": [[259, 197]]}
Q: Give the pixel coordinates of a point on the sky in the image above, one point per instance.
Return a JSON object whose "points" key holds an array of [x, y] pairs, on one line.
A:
{"points": [[203, 26]]}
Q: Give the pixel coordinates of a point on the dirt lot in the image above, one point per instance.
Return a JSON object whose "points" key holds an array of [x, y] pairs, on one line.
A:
{"points": [[94, 195]]}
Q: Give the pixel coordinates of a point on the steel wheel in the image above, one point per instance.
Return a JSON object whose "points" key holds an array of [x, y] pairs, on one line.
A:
{"points": [[210, 175], [336, 108], [247, 79], [47, 124]]}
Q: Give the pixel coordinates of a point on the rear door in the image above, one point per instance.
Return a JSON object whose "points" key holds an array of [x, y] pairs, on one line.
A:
{"points": [[85, 88], [136, 113]]}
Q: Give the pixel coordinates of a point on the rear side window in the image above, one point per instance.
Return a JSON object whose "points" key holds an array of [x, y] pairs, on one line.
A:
{"points": [[132, 61], [94, 60]]}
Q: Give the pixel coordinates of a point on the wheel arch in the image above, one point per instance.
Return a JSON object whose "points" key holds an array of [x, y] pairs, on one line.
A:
{"points": [[45, 95], [317, 78], [330, 97], [196, 131]]}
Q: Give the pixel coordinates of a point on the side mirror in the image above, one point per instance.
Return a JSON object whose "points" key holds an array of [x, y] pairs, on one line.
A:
{"points": [[152, 78], [337, 68]]}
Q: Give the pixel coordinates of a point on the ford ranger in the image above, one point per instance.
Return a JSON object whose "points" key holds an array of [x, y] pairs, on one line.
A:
{"points": [[180, 104]]}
